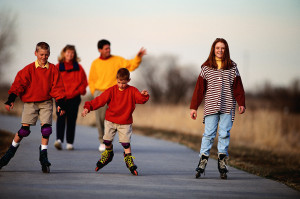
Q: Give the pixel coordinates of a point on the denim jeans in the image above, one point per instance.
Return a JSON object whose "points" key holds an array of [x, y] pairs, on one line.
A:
{"points": [[210, 131]]}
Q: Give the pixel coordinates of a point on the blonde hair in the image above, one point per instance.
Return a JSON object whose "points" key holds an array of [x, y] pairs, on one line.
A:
{"points": [[42, 45], [61, 58]]}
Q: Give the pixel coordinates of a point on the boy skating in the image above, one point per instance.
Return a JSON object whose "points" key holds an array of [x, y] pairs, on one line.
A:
{"points": [[121, 100], [36, 84]]}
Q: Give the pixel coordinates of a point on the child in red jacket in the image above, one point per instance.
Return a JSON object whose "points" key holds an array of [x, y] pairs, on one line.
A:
{"points": [[121, 100], [36, 84]]}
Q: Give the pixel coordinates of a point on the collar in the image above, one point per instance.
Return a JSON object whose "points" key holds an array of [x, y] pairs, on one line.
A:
{"points": [[104, 58], [38, 65]]}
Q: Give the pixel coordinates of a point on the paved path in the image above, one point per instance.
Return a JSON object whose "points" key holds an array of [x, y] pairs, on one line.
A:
{"points": [[166, 171]]}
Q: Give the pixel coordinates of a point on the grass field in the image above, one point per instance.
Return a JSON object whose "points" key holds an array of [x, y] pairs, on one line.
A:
{"points": [[264, 142]]}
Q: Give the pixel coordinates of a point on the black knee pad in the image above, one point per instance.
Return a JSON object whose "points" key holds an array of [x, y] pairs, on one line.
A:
{"points": [[24, 131], [125, 145], [107, 142], [46, 130]]}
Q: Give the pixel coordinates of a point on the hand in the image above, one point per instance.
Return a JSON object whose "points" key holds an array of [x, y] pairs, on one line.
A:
{"points": [[193, 114], [242, 109], [84, 112], [144, 92], [142, 52], [62, 112], [8, 107]]}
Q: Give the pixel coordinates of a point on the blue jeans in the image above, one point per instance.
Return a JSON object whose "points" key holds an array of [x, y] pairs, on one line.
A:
{"points": [[210, 131]]}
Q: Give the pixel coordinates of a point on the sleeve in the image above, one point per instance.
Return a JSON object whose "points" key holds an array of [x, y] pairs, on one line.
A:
{"points": [[21, 82], [238, 91], [199, 93], [131, 64], [92, 78], [139, 98], [84, 83], [57, 89], [99, 101]]}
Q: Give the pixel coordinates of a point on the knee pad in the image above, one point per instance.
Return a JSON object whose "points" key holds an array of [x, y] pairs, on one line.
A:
{"points": [[24, 131], [46, 130], [107, 142], [126, 145]]}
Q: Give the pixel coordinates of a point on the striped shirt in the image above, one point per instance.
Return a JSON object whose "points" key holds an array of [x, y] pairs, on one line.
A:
{"points": [[221, 89]]}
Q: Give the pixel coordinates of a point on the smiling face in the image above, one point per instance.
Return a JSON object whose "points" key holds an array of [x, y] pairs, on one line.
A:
{"points": [[69, 55], [42, 56], [105, 51], [219, 50]]}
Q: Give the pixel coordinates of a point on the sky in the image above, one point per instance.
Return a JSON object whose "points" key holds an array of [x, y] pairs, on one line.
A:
{"points": [[263, 35]]}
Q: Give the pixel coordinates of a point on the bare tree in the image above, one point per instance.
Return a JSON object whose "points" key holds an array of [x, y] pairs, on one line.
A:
{"points": [[7, 37]]}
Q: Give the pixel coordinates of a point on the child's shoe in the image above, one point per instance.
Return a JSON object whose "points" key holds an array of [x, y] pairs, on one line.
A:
{"points": [[222, 165], [44, 161], [201, 165], [106, 157], [70, 146], [57, 144], [7, 156], [128, 159]]}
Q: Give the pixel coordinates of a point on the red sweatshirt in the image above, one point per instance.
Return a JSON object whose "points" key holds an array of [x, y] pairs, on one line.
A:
{"points": [[121, 104], [38, 84], [75, 81]]}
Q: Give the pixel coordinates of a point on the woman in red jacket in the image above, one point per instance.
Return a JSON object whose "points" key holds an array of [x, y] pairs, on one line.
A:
{"points": [[75, 83]]}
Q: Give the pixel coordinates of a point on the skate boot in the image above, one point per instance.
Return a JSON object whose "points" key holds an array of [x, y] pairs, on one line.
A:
{"points": [[128, 159], [201, 166], [222, 165], [44, 161], [7, 156], [106, 157]]}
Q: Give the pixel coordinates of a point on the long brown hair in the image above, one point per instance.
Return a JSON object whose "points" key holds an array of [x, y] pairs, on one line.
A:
{"points": [[226, 61], [61, 58]]}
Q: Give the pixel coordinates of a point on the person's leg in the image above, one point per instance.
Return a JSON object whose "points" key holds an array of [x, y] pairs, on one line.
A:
{"points": [[225, 126], [100, 117], [60, 126], [210, 130], [72, 112]]}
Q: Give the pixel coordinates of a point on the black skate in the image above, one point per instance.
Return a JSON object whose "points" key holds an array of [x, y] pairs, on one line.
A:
{"points": [[222, 165], [201, 166], [106, 157], [44, 161], [7, 156], [128, 159]]}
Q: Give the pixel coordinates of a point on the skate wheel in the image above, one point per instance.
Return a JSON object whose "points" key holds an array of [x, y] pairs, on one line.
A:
{"points": [[46, 169], [97, 169], [223, 176], [198, 174], [134, 172]]}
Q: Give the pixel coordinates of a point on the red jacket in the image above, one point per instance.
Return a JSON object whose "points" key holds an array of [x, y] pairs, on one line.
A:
{"points": [[121, 104], [75, 80], [38, 84]]}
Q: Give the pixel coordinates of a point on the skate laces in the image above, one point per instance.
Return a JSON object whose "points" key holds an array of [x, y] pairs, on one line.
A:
{"points": [[129, 160], [203, 163], [105, 156], [223, 163]]}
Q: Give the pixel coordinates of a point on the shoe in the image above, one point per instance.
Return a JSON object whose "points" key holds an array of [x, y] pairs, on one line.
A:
{"points": [[201, 165], [106, 157], [70, 146], [222, 165], [102, 147], [128, 159], [57, 144]]}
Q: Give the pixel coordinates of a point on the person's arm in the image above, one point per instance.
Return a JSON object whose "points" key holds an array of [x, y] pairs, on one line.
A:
{"points": [[198, 96], [134, 63], [99, 101], [141, 97], [58, 91], [84, 83], [239, 93], [93, 78]]}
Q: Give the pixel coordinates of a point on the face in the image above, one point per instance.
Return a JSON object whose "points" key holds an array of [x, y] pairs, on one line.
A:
{"points": [[69, 55], [105, 51], [219, 50], [42, 56], [122, 84]]}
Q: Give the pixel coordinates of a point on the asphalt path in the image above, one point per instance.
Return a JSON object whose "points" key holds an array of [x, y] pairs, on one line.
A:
{"points": [[166, 170]]}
